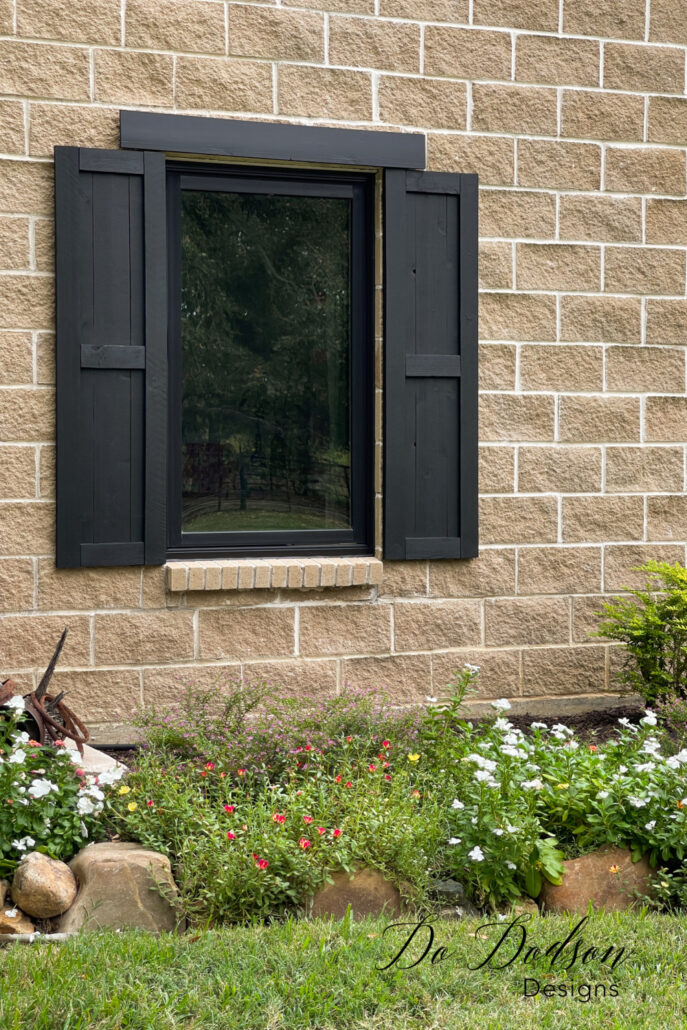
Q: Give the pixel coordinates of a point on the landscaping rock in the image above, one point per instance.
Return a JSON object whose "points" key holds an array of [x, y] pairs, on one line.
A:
{"points": [[524, 906], [117, 888], [4, 887], [589, 878], [93, 761], [366, 891], [449, 890], [13, 920], [42, 886]]}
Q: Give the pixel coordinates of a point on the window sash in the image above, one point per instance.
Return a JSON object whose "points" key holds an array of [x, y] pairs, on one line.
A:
{"points": [[359, 539]]}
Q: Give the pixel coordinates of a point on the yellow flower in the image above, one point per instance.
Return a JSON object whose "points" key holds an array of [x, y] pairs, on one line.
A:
{"points": [[124, 789], [132, 806], [562, 786], [614, 868], [413, 758]]}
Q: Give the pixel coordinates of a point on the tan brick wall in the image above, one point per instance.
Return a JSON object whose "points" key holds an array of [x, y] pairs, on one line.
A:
{"points": [[574, 114]]}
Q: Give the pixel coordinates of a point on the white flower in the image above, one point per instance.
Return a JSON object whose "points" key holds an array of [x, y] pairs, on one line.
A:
{"points": [[510, 828], [673, 762], [497, 832], [473, 669], [84, 829], [94, 792], [477, 855], [511, 751], [510, 865], [628, 725], [23, 844], [649, 719], [41, 787], [681, 756], [651, 746], [483, 763], [502, 724], [16, 703], [538, 726], [457, 804], [502, 705], [85, 806], [637, 802], [474, 820], [571, 745], [532, 785], [454, 840], [622, 768], [560, 727], [646, 767], [17, 757], [11, 913], [513, 738], [650, 826], [21, 738], [432, 701], [482, 775], [500, 918], [602, 794]]}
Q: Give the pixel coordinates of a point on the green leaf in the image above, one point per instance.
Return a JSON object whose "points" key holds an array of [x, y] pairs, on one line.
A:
{"points": [[533, 882]]}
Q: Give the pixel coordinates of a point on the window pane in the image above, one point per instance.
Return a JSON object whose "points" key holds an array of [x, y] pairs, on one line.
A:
{"points": [[265, 312]]}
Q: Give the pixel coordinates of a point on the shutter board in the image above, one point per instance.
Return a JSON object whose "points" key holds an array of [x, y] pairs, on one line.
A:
{"points": [[430, 405], [111, 357]]}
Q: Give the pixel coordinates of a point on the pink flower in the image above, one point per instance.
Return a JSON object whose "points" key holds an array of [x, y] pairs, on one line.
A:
{"points": [[386, 743], [321, 830], [210, 765], [338, 779], [336, 833], [387, 777], [230, 808], [230, 835], [59, 743], [349, 784], [303, 843], [279, 818], [150, 804], [307, 818], [79, 772], [240, 772], [262, 863], [371, 767]]}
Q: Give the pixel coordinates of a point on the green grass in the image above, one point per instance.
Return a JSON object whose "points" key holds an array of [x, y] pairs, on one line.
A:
{"points": [[317, 974]]}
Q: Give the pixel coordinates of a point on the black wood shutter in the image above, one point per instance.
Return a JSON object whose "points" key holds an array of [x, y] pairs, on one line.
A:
{"points": [[430, 379], [111, 357]]}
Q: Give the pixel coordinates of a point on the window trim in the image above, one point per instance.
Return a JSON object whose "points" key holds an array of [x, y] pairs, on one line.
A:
{"points": [[359, 540]]}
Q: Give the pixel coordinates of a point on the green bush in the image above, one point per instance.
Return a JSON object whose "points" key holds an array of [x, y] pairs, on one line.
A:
{"points": [[652, 623]]}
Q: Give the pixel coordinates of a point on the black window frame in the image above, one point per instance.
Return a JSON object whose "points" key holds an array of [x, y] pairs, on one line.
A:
{"points": [[360, 186]]}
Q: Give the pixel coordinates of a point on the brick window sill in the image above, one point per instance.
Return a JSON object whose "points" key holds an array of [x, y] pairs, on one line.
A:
{"points": [[272, 573]]}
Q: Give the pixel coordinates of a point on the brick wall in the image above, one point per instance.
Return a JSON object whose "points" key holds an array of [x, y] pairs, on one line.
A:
{"points": [[574, 115]]}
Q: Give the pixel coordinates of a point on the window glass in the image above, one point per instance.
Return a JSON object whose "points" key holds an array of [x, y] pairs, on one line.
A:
{"points": [[266, 361]]}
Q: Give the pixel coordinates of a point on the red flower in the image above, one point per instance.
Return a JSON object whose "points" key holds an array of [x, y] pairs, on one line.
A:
{"points": [[230, 835], [338, 779], [321, 830], [262, 863], [256, 857], [222, 775], [203, 773], [386, 776], [35, 743], [308, 747], [336, 833], [150, 804], [230, 808], [304, 843], [386, 743], [210, 765], [307, 818], [240, 772], [371, 767], [385, 764], [349, 784], [593, 747], [279, 818], [349, 739]]}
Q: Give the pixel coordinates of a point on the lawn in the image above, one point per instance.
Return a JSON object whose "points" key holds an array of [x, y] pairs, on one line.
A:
{"points": [[299, 974]]}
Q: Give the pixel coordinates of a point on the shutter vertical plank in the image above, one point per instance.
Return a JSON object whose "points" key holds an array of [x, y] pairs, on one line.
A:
{"points": [[108, 246], [430, 442]]}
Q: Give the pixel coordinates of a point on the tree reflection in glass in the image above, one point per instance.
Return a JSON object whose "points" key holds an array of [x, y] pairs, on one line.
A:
{"points": [[265, 324]]}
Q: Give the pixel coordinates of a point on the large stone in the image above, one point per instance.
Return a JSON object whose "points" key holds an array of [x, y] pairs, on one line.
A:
{"points": [[42, 886], [122, 886], [366, 891], [92, 761], [607, 878]]}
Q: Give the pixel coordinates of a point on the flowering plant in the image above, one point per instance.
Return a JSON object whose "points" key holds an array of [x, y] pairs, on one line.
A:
{"points": [[46, 803], [523, 801]]}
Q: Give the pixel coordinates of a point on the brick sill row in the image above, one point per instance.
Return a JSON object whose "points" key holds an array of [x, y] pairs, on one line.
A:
{"points": [[272, 573]]}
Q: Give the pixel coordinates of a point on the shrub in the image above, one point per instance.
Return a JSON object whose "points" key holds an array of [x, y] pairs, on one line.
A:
{"points": [[46, 803], [653, 628]]}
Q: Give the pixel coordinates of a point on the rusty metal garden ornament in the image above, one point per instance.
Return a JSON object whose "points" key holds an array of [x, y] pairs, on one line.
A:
{"points": [[53, 719]]}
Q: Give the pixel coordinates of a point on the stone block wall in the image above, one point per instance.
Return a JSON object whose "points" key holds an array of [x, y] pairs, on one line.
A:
{"points": [[574, 115]]}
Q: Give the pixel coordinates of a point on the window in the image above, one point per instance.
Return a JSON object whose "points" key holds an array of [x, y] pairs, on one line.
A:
{"points": [[270, 357], [215, 357]]}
